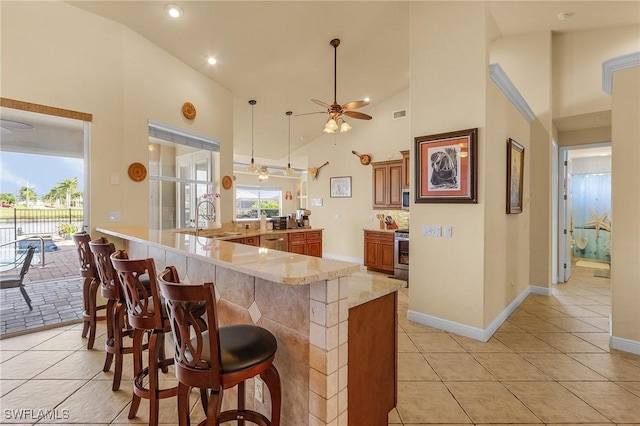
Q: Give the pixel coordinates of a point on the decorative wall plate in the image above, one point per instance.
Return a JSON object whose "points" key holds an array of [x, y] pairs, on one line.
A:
{"points": [[227, 182], [188, 110], [137, 172]]}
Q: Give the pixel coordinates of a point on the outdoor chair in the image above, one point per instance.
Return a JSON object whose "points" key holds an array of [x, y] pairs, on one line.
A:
{"points": [[13, 281]]}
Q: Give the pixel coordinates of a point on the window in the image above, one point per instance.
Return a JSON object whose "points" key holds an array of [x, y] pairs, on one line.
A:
{"points": [[182, 168], [251, 201]]}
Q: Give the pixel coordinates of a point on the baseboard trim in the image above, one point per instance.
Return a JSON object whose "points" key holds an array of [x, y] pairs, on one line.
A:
{"points": [[475, 333], [545, 291], [343, 258], [625, 345]]}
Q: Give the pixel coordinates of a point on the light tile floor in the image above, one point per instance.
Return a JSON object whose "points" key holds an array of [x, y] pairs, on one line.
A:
{"points": [[549, 363]]}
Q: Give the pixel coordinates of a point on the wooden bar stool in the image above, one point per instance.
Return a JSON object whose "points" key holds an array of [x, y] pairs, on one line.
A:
{"points": [[90, 284], [118, 327], [218, 358], [144, 312]]}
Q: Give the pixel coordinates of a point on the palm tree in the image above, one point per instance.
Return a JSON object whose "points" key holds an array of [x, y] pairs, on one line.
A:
{"points": [[68, 187], [26, 193]]}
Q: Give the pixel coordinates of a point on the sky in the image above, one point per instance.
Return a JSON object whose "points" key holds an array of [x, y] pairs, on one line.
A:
{"points": [[40, 172]]}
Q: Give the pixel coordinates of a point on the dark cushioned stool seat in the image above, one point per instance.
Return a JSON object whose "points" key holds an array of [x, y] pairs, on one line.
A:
{"points": [[241, 346]]}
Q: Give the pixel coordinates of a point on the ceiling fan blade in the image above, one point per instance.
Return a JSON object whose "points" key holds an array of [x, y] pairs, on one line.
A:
{"points": [[356, 114], [309, 113], [322, 104], [355, 104]]}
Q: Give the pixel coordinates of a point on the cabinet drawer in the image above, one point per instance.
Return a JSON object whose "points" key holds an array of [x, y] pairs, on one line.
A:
{"points": [[379, 236], [314, 235], [296, 236]]}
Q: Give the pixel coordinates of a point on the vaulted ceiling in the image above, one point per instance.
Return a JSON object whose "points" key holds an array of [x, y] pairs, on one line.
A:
{"points": [[278, 52]]}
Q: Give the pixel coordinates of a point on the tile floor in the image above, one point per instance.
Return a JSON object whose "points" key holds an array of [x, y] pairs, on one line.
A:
{"points": [[549, 363]]}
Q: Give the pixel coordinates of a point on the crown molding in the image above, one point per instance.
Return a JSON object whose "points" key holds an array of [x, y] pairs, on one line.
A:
{"points": [[616, 64], [509, 89]]}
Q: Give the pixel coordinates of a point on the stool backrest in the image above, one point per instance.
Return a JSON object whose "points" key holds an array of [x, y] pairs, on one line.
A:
{"points": [[194, 354], [102, 250], [87, 263], [144, 307]]}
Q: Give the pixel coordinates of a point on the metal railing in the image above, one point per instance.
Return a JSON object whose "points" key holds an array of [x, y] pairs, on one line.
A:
{"points": [[41, 222]]}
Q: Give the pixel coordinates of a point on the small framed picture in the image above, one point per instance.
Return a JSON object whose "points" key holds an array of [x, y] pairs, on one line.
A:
{"points": [[446, 167], [340, 187], [515, 170]]}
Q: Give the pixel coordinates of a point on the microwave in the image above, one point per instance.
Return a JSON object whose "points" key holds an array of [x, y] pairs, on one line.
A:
{"points": [[405, 199]]}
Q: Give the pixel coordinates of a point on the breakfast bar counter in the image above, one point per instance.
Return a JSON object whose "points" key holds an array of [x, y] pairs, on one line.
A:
{"points": [[318, 318]]}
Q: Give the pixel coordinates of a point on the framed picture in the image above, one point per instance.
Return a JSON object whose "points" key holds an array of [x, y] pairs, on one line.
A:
{"points": [[446, 167], [340, 187], [515, 169]]}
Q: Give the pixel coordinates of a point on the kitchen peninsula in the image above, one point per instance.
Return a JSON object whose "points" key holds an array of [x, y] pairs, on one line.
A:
{"points": [[336, 327]]}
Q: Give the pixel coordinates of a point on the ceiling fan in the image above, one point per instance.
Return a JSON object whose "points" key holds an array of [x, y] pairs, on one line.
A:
{"points": [[335, 110]]}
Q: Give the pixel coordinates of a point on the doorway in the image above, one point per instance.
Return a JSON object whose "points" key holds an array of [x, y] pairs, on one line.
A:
{"points": [[44, 154], [585, 206]]}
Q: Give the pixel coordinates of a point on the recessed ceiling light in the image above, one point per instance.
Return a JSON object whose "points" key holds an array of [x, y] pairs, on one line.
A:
{"points": [[211, 60], [173, 10], [564, 15]]}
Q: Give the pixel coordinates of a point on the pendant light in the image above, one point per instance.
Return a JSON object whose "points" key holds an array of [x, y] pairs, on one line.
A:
{"points": [[252, 166], [289, 171]]}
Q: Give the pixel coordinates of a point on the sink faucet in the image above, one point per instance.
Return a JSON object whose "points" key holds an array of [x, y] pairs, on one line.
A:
{"points": [[205, 216]]}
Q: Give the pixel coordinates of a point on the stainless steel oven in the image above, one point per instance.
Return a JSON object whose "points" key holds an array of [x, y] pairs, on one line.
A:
{"points": [[401, 254]]}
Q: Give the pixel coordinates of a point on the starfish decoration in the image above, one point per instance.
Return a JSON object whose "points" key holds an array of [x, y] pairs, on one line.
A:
{"points": [[599, 222]]}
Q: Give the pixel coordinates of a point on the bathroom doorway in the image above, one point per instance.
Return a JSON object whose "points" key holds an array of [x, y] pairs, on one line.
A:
{"points": [[585, 206]]}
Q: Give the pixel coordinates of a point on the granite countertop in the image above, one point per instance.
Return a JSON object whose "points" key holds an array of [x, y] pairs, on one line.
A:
{"points": [[386, 231], [226, 234], [273, 265], [364, 287]]}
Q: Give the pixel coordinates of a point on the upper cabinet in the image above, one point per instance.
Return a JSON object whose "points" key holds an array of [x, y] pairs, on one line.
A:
{"points": [[405, 169], [387, 184]]}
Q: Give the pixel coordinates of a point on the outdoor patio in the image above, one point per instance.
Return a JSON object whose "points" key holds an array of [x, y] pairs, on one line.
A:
{"points": [[55, 291]]}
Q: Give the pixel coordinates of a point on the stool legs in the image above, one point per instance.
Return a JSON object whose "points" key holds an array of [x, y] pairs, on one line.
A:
{"points": [[156, 363], [114, 345], [90, 316], [272, 380]]}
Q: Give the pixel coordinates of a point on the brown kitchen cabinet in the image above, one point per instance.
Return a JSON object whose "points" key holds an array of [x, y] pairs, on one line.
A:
{"points": [[306, 242], [378, 251], [387, 184], [405, 169]]}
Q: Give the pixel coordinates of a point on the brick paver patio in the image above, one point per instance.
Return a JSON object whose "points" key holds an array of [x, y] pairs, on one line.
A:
{"points": [[55, 291]]}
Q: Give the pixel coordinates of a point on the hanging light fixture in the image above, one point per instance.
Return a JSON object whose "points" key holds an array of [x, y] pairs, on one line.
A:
{"points": [[252, 166], [264, 173], [289, 171]]}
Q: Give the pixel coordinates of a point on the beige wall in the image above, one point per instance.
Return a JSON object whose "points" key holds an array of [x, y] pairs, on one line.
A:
{"points": [[584, 136], [526, 59], [449, 68], [55, 54], [506, 273], [577, 67], [625, 195]]}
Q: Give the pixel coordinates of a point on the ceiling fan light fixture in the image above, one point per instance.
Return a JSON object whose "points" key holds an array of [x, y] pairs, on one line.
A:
{"points": [[331, 125], [345, 127]]}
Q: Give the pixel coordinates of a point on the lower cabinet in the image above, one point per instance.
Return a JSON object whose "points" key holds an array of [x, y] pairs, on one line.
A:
{"points": [[378, 251], [306, 242]]}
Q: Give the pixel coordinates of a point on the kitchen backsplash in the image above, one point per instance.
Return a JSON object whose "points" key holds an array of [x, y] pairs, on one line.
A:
{"points": [[400, 216]]}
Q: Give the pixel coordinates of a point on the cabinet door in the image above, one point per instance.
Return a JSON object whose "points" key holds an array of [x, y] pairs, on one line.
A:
{"points": [[379, 186], [371, 252], [314, 248], [386, 257], [252, 241], [395, 185], [405, 169]]}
